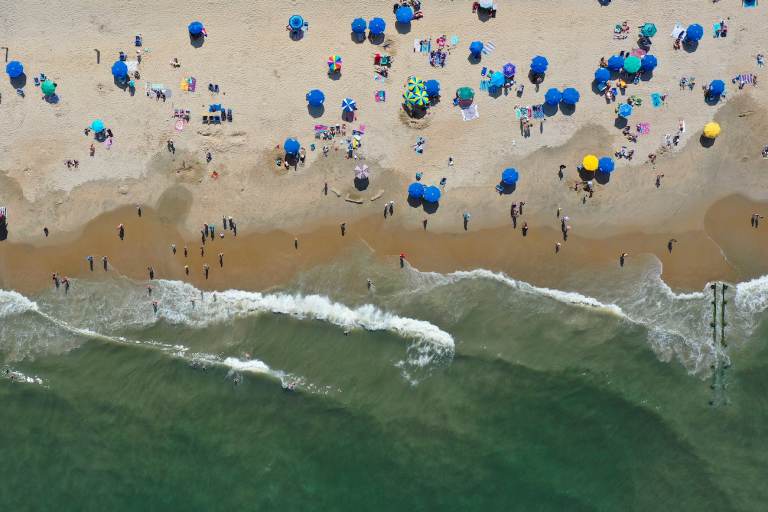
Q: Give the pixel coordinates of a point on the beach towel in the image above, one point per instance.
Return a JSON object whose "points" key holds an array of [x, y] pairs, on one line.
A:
{"points": [[377, 77], [192, 84], [416, 45], [638, 52], [749, 3], [454, 40], [656, 100], [747, 78], [488, 47], [184, 86], [485, 85], [361, 129], [644, 128], [677, 30], [380, 96], [468, 114], [538, 111]]}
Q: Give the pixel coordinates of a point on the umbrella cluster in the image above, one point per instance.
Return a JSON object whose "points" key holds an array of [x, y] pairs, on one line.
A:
{"points": [[569, 96], [416, 92]]}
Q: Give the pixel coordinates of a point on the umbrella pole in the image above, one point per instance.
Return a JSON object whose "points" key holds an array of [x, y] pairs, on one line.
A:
{"points": [[98, 55], [6, 52]]}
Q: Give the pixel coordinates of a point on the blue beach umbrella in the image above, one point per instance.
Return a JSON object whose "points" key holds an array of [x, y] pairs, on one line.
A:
{"points": [[649, 62], [570, 96], [359, 25], [539, 64], [476, 48], [616, 63], [348, 105], [509, 70], [291, 146], [624, 110], [416, 190], [509, 176], [119, 70], [296, 22], [553, 96], [14, 69], [432, 87], [315, 97], [602, 75], [606, 165], [97, 126], [404, 14], [694, 32], [195, 28], [717, 87], [377, 26], [431, 194], [497, 79]]}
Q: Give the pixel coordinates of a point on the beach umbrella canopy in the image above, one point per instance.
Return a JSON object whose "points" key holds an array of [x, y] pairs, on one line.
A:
{"points": [[409, 97], [196, 28], [361, 172], [334, 63], [377, 26], [315, 97], [553, 96], [509, 70], [606, 165], [624, 110], [570, 96], [416, 190], [649, 62], [476, 48], [296, 22], [486, 4], [97, 126], [632, 64], [615, 63], [711, 130], [419, 97], [694, 32], [497, 79], [590, 163], [414, 83], [14, 69], [602, 75], [291, 146], [359, 25], [432, 87], [431, 194], [716, 87], [465, 93], [120, 69], [48, 87], [539, 64], [509, 176], [348, 105], [648, 30], [404, 14]]}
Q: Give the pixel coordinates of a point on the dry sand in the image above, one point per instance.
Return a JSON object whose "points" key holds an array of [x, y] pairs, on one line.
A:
{"points": [[263, 77]]}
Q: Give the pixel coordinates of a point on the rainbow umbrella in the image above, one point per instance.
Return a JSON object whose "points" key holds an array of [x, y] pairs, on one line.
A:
{"points": [[590, 163], [414, 83], [334, 63]]}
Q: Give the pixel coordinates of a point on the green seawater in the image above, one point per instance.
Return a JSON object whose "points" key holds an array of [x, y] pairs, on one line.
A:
{"points": [[540, 404]]}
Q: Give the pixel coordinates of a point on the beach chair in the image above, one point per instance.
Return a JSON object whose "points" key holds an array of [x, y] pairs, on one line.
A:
{"points": [[229, 115], [602, 86], [216, 119], [500, 188], [484, 71], [205, 119], [37, 82], [138, 41]]}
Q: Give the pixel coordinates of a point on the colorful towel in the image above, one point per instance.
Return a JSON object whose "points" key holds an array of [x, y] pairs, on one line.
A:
{"points": [[644, 128], [747, 78], [656, 100], [454, 40], [380, 96], [749, 3], [192, 84], [488, 47], [468, 114], [485, 85], [538, 111], [638, 52], [677, 30], [379, 78]]}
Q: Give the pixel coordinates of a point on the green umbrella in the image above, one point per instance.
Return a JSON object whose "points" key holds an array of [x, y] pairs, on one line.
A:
{"points": [[632, 64], [465, 93], [415, 83], [48, 87], [409, 97], [420, 98], [648, 30]]}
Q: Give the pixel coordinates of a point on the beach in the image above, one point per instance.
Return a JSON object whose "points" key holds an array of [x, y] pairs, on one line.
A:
{"points": [[552, 329]]}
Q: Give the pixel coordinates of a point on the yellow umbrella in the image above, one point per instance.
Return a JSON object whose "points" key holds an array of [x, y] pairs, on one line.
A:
{"points": [[711, 130], [590, 163]]}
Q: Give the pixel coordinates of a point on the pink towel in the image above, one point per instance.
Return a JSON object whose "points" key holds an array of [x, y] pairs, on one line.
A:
{"points": [[644, 128]]}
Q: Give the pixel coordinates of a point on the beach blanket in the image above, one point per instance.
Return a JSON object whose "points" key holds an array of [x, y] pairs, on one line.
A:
{"points": [[677, 30], [470, 113], [454, 40], [745, 78], [523, 112], [380, 96], [377, 77], [644, 128], [656, 100], [488, 47], [749, 3], [485, 85], [538, 111], [638, 52]]}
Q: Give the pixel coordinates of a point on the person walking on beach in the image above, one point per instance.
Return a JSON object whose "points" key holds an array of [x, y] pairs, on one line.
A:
{"points": [[149, 290], [402, 259], [525, 229], [658, 180], [522, 203], [55, 277], [221, 259], [559, 210], [296, 243], [104, 262], [557, 247], [391, 208], [65, 282], [151, 272], [756, 220], [343, 227], [560, 173], [186, 269], [173, 249], [466, 216], [622, 258], [138, 210], [154, 306], [90, 262], [206, 268], [121, 231], [424, 222], [202, 251], [45, 231], [670, 244], [186, 251]]}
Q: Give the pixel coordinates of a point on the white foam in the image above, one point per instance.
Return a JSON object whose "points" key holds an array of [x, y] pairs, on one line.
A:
{"points": [[17, 376], [13, 303], [752, 296]]}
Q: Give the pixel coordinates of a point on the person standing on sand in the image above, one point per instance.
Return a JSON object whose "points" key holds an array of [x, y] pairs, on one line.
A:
{"points": [[202, 251], [522, 203], [93, 149], [622, 258], [425, 224], [558, 211], [221, 259], [138, 210], [560, 173], [186, 269], [658, 180], [90, 262], [466, 216], [296, 243], [151, 272], [343, 227], [206, 268], [173, 249], [525, 229], [104, 262], [325, 189], [186, 251], [391, 208], [557, 247], [121, 231], [45, 231], [669, 244]]}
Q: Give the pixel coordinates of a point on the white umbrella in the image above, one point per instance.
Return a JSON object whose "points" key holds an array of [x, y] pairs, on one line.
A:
{"points": [[361, 172], [486, 4]]}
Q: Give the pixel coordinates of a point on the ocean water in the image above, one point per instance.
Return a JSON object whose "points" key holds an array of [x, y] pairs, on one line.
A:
{"points": [[461, 391]]}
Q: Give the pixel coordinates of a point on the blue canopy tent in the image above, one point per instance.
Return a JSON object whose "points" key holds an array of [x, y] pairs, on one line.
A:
{"points": [[553, 96], [291, 146], [296, 22], [14, 69], [694, 32], [476, 48], [616, 63], [348, 105], [571, 96], [431, 194], [606, 165], [603, 75], [404, 14], [624, 110], [315, 97], [648, 62], [359, 25], [416, 190], [497, 79], [196, 28], [716, 88], [509, 176], [120, 70], [539, 65], [377, 26], [432, 87], [97, 126]]}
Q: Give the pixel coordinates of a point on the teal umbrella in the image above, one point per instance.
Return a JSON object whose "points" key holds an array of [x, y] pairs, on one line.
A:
{"points": [[648, 30]]}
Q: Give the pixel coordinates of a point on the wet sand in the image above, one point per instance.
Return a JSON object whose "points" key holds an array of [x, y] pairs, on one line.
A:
{"points": [[728, 249]]}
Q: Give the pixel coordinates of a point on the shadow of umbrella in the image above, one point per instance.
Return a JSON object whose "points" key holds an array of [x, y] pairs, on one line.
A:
{"points": [[196, 40], [430, 208], [362, 183], [20, 81], [706, 141], [315, 110], [415, 202]]}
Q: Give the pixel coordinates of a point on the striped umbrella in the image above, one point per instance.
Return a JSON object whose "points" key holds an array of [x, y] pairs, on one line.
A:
{"points": [[415, 83], [348, 105], [409, 97], [420, 97]]}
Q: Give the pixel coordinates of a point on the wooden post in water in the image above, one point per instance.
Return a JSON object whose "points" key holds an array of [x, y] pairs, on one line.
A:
{"points": [[723, 323]]}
